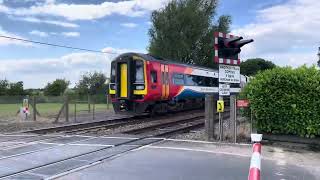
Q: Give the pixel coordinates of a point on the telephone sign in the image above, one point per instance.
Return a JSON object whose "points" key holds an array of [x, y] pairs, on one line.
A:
{"points": [[220, 106]]}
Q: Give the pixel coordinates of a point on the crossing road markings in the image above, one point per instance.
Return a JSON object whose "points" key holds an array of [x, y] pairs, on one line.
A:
{"points": [[220, 106]]}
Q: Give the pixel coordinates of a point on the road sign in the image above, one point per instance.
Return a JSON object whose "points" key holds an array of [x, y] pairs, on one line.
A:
{"points": [[220, 106], [243, 103], [224, 90], [229, 74]]}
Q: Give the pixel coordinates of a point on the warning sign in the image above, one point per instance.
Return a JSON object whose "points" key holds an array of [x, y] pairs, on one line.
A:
{"points": [[242, 103], [229, 74], [224, 90]]}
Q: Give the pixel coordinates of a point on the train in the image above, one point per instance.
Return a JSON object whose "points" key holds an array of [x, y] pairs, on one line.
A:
{"points": [[142, 83]]}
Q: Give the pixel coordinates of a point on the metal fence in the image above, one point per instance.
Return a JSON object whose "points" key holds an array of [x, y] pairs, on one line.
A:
{"points": [[55, 108]]}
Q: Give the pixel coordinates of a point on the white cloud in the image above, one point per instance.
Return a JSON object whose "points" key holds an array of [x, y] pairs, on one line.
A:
{"points": [[285, 33], [3, 8], [39, 33], [129, 25], [7, 41], [36, 73], [39, 21], [71, 34], [120, 50], [131, 8]]}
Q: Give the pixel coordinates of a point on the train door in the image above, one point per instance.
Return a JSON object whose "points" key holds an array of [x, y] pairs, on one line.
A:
{"points": [[164, 81], [123, 80]]}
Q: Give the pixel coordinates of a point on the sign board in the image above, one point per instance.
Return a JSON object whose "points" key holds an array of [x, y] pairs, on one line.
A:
{"points": [[243, 103], [229, 74], [220, 106], [224, 89]]}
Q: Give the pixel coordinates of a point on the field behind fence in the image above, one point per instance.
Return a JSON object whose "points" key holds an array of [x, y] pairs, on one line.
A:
{"points": [[52, 107]]}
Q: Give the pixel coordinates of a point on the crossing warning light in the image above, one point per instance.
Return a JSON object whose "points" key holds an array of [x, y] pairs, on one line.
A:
{"points": [[227, 48]]}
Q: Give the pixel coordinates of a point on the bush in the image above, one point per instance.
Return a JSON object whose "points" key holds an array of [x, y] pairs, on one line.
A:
{"points": [[286, 101]]}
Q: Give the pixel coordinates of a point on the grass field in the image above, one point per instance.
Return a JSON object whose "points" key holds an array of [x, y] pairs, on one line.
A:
{"points": [[48, 109]]}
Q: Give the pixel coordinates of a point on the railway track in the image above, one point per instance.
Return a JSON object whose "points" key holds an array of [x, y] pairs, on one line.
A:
{"points": [[166, 128], [86, 126], [169, 128], [82, 128]]}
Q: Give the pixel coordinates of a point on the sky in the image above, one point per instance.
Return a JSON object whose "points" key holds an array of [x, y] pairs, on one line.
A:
{"points": [[285, 32]]}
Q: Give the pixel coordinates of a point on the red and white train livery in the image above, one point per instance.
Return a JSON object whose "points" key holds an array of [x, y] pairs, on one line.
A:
{"points": [[141, 83]]}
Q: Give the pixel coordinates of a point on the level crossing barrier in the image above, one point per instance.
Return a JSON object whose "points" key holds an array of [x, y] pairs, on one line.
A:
{"points": [[255, 163]]}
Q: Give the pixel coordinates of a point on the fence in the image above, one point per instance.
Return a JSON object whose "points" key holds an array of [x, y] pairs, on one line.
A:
{"points": [[55, 108], [235, 124]]}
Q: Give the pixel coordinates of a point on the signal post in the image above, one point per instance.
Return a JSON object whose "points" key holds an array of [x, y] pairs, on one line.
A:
{"points": [[226, 49]]}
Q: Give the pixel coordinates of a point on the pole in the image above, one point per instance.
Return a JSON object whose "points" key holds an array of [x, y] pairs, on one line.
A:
{"points": [[235, 122], [34, 104], [89, 105], [220, 123], [75, 111], [67, 108], [210, 115], [232, 115], [93, 109]]}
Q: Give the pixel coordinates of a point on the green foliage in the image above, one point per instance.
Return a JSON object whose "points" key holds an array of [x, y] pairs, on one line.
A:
{"points": [[286, 100], [15, 89], [183, 31], [56, 88], [253, 66], [4, 85], [92, 83], [11, 89]]}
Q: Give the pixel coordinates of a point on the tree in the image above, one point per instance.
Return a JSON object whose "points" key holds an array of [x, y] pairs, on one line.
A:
{"points": [[4, 85], [56, 88], [250, 67], [16, 89], [92, 83], [183, 31]]}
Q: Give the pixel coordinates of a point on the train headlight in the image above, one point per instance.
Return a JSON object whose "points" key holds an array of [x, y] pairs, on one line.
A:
{"points": [[140, 87]]}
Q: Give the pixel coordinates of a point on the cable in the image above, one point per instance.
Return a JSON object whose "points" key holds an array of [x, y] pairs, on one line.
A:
{"points": [[55, 45]]}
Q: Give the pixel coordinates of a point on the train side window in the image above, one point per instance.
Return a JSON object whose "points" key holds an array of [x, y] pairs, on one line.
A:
{"points": [[178, 79], [139, 74], [190, 80], [153, 76], [113, 73]]}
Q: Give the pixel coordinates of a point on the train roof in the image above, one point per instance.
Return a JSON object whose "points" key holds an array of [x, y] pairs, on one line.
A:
{"points": [[158, 59]]}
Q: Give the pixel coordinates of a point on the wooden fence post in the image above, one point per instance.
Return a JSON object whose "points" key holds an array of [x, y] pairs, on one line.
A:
{"points": [[75, 111], [34, 107], [210, 116], [93, 108], [89, 103], [66, 107], [233, 111]]}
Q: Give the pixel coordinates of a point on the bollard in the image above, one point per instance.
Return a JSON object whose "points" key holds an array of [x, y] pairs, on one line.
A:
{"points": [[255, 163]]}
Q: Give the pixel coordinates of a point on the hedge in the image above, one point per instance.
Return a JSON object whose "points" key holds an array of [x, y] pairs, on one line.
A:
{"points": [[286, 101]]}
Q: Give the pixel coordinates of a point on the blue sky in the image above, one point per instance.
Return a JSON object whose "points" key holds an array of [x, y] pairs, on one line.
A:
{"points": [[285, 32]]}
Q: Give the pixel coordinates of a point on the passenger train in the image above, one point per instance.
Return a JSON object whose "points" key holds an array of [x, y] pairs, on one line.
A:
{"points": [[141, 83]]}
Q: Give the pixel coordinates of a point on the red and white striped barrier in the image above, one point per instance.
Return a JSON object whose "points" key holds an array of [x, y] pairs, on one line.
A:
{"points": [[218, 35], [255, 163]]}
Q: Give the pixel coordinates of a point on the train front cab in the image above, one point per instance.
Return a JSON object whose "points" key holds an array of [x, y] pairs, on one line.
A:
{"points": [[128, 85]]}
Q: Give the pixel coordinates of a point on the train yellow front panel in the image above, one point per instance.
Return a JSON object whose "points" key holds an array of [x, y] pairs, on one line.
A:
{"points": [[123, 80]]}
